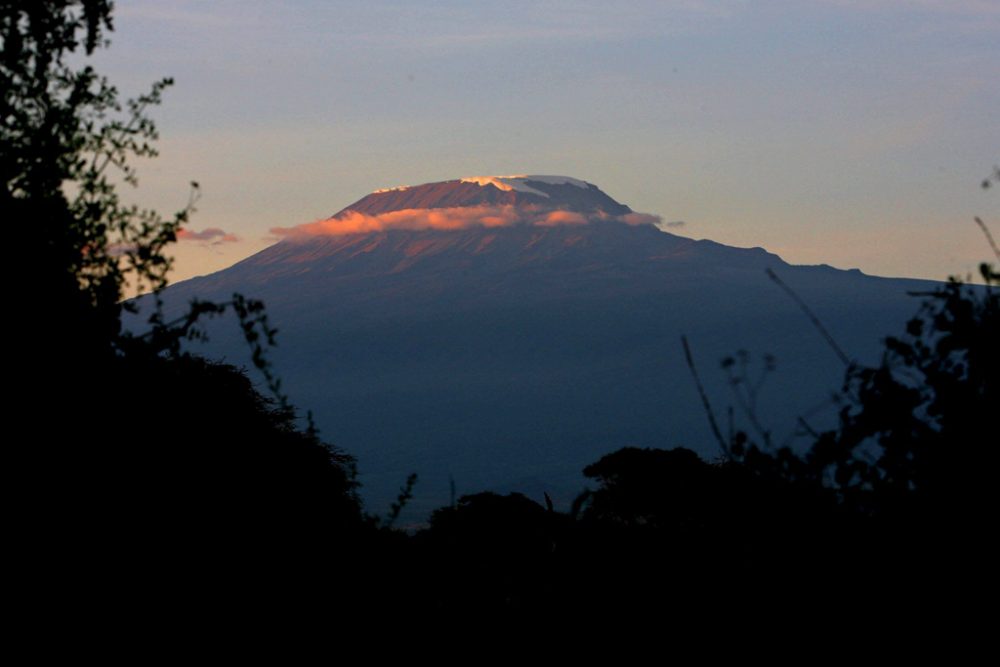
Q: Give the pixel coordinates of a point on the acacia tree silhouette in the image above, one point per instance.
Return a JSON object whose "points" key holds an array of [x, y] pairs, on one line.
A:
{"points": [[135, 445]]}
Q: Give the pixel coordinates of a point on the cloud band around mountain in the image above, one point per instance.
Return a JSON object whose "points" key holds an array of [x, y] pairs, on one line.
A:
{"points": [[463, 217]]}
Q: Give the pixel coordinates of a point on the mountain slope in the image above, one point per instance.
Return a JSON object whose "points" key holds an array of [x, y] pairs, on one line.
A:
{"points": [[509, 357]]}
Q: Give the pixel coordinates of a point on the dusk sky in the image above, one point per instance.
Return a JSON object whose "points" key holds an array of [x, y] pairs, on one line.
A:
{"points": [[853, 133]]}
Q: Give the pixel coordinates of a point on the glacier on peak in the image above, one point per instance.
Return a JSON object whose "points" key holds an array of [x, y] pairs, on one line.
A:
{"points": [[513, 182], [519, 182]]}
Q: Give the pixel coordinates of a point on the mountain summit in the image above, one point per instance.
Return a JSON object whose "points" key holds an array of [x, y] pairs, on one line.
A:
{"points": [[541, 192], [502, 332], [478, 201]]}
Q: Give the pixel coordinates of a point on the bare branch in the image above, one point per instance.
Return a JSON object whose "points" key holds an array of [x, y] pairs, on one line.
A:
{"points": [[989, 237], [704, 398], [812, 317]]}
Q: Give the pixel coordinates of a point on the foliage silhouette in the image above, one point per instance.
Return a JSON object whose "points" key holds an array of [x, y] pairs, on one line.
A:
{"points": [[912, 426], [405, 494], [138, 448], [914, 440], [881, 517], [159, 473], [911, 465], [652, 489], [492, 553]]}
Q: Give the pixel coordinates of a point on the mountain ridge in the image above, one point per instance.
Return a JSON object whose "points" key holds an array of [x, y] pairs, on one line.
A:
{"points": [[544, 192], [509, 357]]}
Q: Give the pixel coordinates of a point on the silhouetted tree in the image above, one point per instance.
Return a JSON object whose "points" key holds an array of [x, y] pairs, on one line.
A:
{"points": [[913, 459], [491, 553], [918, 430], [651, 488], [144, 464]]}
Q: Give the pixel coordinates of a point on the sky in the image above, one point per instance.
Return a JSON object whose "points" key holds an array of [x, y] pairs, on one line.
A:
{"points": [[848, 132]]}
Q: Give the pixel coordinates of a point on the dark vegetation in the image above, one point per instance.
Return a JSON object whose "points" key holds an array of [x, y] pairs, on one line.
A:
{"points": [[151, 474]]}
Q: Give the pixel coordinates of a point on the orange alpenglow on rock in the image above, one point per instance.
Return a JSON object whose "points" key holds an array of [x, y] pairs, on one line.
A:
{"points": [[475, 201]]}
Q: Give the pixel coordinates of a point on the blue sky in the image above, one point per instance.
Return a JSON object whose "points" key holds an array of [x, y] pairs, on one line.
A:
{"points": [[853, 133]]}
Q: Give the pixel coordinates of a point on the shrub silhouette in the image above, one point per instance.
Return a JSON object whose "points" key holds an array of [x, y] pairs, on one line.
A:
{"points": [[651, 488], [143, 464], [928, 405], [911, 464], [915, 434], [491, 553]]}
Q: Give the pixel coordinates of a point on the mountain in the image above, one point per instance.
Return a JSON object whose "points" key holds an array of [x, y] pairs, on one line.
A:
{"points": [[503, 332], [547, 192]]}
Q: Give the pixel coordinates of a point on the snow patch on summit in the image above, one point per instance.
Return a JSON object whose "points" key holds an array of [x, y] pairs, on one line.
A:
{"points": [[556, 180], [519, 182]]}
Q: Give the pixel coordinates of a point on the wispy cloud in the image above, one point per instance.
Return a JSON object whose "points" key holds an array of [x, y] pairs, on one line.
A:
{"points": [[211, 236], [465, 217]]}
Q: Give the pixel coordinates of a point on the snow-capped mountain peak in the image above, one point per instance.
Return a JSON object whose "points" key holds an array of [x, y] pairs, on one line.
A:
{"points": [[519, 182], [535, 192]]}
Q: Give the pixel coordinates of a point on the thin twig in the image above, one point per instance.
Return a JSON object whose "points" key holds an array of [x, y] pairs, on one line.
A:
{"points": [[405, 495], [812, 317], [807, 428], [989, 237], [704, 398], [748, 404]]}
